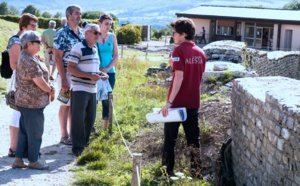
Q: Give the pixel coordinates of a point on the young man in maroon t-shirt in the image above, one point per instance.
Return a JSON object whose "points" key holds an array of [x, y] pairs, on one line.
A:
{"points": [[188, 63]]}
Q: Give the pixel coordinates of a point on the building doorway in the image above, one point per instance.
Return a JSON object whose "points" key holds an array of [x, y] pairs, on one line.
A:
{"points": [[288, 40]]}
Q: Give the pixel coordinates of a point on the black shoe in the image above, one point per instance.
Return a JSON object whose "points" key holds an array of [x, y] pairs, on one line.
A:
{"points": [[78, 153]]}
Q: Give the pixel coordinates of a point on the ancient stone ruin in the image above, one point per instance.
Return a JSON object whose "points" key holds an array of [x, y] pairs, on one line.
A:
{"points": [[265, 114]]}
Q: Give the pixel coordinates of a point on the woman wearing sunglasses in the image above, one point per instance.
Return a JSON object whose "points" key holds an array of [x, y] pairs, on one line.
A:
{"points": [[33, 94], [27, 22], [108, 55]]}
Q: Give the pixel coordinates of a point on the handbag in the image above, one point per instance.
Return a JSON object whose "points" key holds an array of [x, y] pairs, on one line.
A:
{"points": [[10, 96], [10, 100]]}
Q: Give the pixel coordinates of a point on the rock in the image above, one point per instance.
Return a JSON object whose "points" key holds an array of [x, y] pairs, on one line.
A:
{"points": [[220, 67]]}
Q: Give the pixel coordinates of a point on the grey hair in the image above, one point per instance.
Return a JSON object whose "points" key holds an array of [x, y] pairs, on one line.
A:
{"points": [[71, 9], [28, 36], [63, 19], [91, 26], [52, 23]]}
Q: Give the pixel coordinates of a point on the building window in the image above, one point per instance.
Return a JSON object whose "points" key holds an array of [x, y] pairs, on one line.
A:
{"points": [[225, 30]]}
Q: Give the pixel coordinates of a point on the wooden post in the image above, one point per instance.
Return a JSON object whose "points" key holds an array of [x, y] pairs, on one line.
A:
{"points": [[136, 169], [122, 47], [110, 118], [147, 51]]}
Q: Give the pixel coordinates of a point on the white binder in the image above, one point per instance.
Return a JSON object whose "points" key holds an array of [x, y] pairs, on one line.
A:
{"points": [[175, 115]]}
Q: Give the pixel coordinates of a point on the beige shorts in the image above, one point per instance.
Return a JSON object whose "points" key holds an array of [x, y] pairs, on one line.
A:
{"points": [[58, 79], [49, 59]]}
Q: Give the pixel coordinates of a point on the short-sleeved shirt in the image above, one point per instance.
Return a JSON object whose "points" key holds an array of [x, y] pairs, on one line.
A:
{"points": [[65, 39], [87, 60], [13, 40], [48, 36], [190, 59], [28, 94]]}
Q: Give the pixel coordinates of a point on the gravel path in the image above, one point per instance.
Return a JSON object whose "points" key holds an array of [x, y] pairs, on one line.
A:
{"points": [[56, 155]]}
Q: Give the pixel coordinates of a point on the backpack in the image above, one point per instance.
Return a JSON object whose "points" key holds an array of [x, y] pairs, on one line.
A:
{"points": [[6, 71]]}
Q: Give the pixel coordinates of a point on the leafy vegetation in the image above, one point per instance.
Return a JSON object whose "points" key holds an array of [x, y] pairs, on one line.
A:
{"points": [[33, 10], [129, 34], [293, 5], [106, 161]]}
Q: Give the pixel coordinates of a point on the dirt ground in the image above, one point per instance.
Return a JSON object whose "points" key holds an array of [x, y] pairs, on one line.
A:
{"points": [[215, 121]]}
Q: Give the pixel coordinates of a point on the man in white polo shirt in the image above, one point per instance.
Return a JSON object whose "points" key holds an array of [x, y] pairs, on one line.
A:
{"points": [[83, 64]]}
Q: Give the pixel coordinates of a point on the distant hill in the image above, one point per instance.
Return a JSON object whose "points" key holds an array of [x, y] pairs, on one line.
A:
{"points": [[147, 12]]}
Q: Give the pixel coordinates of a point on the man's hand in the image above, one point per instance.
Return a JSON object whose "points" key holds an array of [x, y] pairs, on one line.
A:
{"points": [[164, 110], [95, 77], [65, 84]]}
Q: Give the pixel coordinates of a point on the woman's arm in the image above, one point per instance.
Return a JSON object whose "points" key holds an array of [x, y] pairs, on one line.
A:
{"points": [[14, 53], [42, 84], [115, 55]]}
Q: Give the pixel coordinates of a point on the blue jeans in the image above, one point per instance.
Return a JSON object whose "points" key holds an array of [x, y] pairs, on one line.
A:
{"points": [[30, 133], [105, 103]]}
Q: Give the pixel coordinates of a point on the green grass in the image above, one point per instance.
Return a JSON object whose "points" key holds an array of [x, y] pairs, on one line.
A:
{"points": [[106, 161]]}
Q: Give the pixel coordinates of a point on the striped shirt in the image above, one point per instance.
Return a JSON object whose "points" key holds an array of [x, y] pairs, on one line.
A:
{"points": [[87, 61]]}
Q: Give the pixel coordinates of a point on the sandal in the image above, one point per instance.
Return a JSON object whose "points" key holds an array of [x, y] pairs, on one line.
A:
{"points": [[11, 153], [66, 140]]}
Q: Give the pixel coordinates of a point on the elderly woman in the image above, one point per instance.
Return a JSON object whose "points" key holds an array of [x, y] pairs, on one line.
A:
{"points": [[27, 22], [33, 92]]}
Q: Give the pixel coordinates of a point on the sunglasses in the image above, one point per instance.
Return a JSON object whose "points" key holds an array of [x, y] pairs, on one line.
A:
{"points": [[95, 32], [36, 41]]}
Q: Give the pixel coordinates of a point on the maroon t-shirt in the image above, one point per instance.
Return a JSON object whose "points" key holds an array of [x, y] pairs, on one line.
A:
{"points": [[190, 59]]}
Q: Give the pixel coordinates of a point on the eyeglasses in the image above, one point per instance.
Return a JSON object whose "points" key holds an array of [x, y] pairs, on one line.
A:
{"points": [[95, 32], [34, 25], [36, 41]]}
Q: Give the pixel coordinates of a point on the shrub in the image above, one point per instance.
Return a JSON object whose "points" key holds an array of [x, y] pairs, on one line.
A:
{"points": [[211, 79], [228, 76], [129, 34]]}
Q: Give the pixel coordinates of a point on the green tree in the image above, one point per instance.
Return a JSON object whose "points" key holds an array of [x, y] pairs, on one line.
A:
{"points": [[13, 10], [129, 34], [91, 14], [33, 10], [3, 8], [293, 5], [58, 15], [46, 15], [96, 15]]}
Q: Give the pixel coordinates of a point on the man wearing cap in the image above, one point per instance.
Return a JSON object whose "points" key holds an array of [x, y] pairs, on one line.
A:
{"points": [[83, 64], [64, 40], [47, 40]]}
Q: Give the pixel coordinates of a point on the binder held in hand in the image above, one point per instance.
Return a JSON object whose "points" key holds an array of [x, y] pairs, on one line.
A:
{"points": [[175, 115]]}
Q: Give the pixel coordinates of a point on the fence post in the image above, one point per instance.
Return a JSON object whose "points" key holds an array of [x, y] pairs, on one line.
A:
{"points": [[147, 51], [110, 99], [122, 46], [136, 169]]}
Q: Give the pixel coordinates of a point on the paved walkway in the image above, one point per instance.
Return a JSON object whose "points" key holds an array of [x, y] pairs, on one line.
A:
{"points": [[56, 155]]}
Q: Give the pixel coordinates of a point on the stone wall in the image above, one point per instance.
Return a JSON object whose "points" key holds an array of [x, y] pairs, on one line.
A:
{"points": [[264, 63], [275, 63], [266, 131], [226, 50]]}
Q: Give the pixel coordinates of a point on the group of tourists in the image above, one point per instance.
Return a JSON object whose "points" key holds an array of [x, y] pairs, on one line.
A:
{"points": [[83, 57]]}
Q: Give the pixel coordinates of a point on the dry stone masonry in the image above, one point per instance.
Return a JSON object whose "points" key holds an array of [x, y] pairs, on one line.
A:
{"points": [[275, 63], [266, 131]]}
